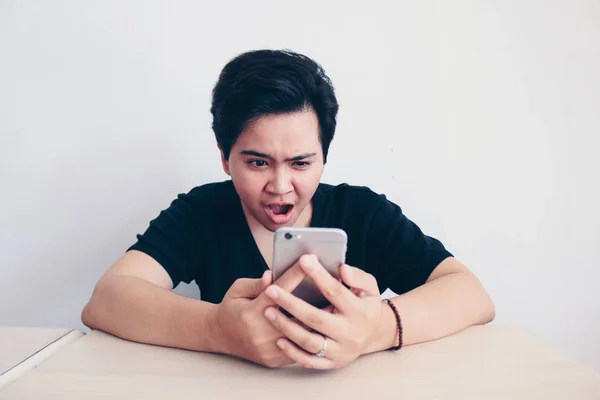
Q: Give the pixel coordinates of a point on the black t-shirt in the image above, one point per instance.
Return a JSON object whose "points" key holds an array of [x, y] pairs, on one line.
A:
{"points": [[204, 237]]}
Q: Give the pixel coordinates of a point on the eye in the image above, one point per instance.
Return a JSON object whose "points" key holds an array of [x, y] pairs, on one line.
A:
{"points": [[301, 164], [258, 163]]}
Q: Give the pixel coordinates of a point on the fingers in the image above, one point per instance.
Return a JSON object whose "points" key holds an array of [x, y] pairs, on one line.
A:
{"points": [[303, 358], [330, 309], [362, 283], [307, 340], [333, 290], [317, 319], [291, 278], [266, 280], [288, 281], [250, 288]]}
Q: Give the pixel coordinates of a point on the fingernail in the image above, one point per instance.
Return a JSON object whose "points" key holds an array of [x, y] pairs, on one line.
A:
{"points": [[270, 314], [281, 344], [272, 292]]}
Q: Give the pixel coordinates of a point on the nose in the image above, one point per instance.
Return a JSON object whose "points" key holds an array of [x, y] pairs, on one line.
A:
{"points": [[280, 182]]}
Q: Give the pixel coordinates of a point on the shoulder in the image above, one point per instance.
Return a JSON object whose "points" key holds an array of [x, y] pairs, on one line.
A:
{"points": [[345, 195], [215, 191], [204, 200], [352, 208]]}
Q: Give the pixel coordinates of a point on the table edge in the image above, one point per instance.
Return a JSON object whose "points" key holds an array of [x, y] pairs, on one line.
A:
{"points": [[38, 357]]}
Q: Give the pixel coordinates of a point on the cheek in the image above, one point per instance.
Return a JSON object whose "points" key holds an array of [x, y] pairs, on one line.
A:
{"points": [[248, 184], [307, 183]]}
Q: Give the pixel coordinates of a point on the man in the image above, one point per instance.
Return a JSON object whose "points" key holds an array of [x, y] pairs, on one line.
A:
{"points": [[274, 116]]}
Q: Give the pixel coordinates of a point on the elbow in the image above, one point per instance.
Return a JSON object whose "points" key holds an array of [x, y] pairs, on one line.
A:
{"points": [[489, 310], [86, 316], [90, 313], [485, 310], [490, 313]]}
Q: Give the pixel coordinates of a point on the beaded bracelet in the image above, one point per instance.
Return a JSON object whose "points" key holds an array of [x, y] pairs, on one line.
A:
{"points": [[395, 310]]}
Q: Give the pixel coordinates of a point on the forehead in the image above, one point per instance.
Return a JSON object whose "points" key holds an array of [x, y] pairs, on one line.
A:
{"points": [[281, 134]]}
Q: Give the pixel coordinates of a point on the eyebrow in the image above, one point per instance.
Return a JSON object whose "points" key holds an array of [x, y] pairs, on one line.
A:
{"points": [[262, 155]]}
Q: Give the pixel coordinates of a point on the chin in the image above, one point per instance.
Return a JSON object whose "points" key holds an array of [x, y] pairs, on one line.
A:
{"points": [[270, 226]]}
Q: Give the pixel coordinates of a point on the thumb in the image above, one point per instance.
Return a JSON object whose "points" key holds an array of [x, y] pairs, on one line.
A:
{"points": [[266, 281], [361, 283], [250, 288]]}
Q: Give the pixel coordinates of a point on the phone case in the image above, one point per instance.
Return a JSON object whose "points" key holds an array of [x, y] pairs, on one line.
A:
{"points": [[328, 244]]}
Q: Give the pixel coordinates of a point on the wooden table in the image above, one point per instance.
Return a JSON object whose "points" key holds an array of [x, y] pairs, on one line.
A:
{"points": [[489, 362], [21, 349]]}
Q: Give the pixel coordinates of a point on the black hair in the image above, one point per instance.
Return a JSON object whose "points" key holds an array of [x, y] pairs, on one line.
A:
{"points": [[270, 82]]}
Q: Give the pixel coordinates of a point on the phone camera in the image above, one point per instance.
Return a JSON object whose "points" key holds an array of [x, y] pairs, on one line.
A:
{"points": [[288, 235]]}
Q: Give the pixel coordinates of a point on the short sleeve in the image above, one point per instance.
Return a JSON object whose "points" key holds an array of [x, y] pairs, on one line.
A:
{"points": [[172, 238], [399, 251]]}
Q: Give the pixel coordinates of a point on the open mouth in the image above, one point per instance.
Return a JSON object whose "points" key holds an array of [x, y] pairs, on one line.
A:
{"points": [[279, 209], [279, 213]]}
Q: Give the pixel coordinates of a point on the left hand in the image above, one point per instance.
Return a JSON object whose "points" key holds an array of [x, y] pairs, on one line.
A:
{"points": [[349, 330]]}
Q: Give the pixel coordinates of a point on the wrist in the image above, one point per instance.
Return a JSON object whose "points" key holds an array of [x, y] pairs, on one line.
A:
{"points": [[386, 333], [213, 331], [398, 324]]}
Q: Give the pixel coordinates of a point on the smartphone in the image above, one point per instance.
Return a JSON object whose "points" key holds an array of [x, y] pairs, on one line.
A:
{"points": [[328, 244]]}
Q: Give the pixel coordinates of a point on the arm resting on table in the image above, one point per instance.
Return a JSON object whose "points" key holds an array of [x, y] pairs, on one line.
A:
{"points": [[451, 300], [134, 301]]}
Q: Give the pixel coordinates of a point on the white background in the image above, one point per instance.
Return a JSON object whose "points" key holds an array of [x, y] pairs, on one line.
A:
{"points": [[480, 118]]}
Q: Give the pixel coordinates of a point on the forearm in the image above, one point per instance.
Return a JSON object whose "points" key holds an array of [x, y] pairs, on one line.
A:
{"points": [[134, 309], [438, 308]]}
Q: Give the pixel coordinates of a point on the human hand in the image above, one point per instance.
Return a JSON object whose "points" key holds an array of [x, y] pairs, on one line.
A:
{"points": [[350, 330], [238, 322]]}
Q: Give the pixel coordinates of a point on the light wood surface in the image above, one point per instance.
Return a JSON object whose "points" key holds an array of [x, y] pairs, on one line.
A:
{"points": [[489, 362], [22, 349]]}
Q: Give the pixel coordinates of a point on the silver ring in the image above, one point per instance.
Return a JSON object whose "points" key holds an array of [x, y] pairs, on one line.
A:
{"points": [[321, 352]]}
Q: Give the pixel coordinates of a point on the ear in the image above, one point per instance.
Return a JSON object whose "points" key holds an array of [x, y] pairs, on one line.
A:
{"points": [[224, 162]]}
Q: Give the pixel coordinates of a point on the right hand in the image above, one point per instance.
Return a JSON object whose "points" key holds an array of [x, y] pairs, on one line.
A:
{"points": [[240, 327]]}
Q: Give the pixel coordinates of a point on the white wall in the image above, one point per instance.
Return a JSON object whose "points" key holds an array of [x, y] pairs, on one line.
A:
{"points": [[480, 118]]}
